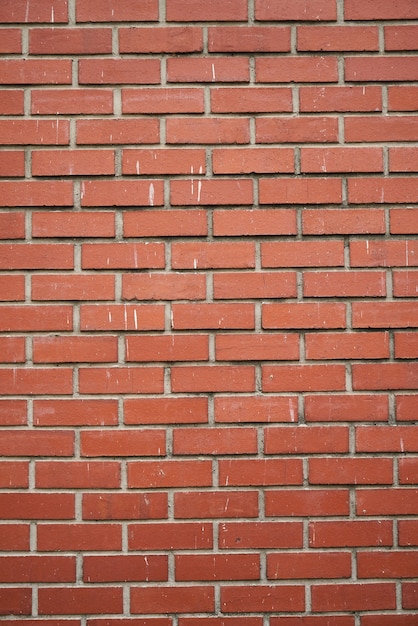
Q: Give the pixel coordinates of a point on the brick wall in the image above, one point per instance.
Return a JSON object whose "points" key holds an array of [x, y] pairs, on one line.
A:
{"points": [[208, 271]]}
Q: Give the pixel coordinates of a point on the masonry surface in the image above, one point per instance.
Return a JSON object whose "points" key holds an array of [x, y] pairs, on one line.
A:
{"points": [[208, 282]]}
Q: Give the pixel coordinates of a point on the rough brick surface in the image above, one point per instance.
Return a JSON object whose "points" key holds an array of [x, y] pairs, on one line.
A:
{"points": [[208, 312]]}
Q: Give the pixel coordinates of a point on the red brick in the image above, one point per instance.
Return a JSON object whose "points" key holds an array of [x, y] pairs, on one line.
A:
{"points": [[395, 564], [387, 439], [165, 348], [265, 347], [196, 599], [163, 223], [74, 412], [117, 131], [191, 567], [408, 532], [300, 191], [169, 40], [76, 601], [399, 128], [347, 471], [207, 255], [302, 253], [122, 317], [159, 286], [124, 568], [220, 621], [302, 129], [302, 503], [387, 502], [163, 161], [406, 345], [75, 349], [36, 381], [75, 287], [182, 410], [11, 102], [335, 38], [303, 378], [267, 472], [353, 597], [385, 375], [213, 130], [405, 284], [97, 380], [254, 222], [72, 101], [72, 162], [34, 569], [36, 256], [252, 160], [200, 11], [214, 441], [37, 506], [341, 160], [353, 533], [12, 223], [215, 504], [303, 315], [249, 39], [402, 98], [385, 10], [212, 378], [13, 413], [316, 10], [339, 284], [116, 71], [38, 11], [294, 565], [136, 506], [37, 443], [211, 315], [245, 535], [77, 475], [343, 221], [75, 537], [314, 620], [123, 443], [346, 408], [36, 193], [210, 70], [385, 314], [70, 41], [11, 42], [12, 163], [73, 224], [15, 601], [402, 37], [14, 537], [35, 318], [161, 474], [122, 255], [410, 595], [403, 160], [406, 407], [395, 190], [306, 440], [170, 536], [36, 132], [341, 98], [13, 474], [35, 72], [388, 620], [350, 346], [390, 69], [251, 99], [211, 192], [122, 193], [256, 409], [12, 349], [125, 11], [157, 100], [296, 69], [260, 598], [12, 288]]}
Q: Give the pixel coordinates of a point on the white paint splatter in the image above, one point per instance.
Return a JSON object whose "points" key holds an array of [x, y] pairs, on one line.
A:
{"points": [[151, 195]]}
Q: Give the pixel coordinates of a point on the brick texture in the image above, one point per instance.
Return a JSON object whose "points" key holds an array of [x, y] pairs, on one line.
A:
{"points": [[208, 312]]}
